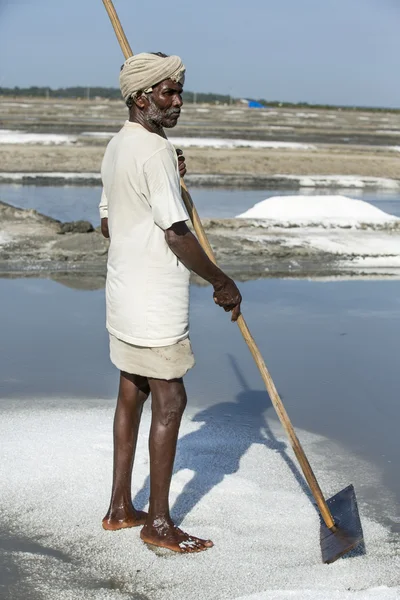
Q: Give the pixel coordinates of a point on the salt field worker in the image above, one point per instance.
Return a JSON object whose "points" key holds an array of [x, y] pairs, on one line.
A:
{"points": [[151, 254]]}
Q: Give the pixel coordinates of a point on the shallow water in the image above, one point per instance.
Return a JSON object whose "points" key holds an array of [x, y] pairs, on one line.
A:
{"points": [[70, 203], [332, 348]]}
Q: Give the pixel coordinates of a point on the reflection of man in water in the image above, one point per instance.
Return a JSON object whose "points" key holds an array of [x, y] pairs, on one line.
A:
{"points": [[151, 254]]}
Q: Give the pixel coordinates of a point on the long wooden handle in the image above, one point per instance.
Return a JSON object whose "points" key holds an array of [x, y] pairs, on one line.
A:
{"points": [[269, 384], [119, 32]]}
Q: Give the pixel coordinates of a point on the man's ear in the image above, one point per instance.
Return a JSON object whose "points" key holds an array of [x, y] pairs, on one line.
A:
{"points": [[141, 101]]}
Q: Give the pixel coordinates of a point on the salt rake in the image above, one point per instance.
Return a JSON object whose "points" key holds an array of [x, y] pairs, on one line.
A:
{"points": [[341, 529]]}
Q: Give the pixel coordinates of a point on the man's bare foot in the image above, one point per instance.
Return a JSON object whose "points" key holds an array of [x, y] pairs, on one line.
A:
{"points": [[164, 534], [123, 517]]}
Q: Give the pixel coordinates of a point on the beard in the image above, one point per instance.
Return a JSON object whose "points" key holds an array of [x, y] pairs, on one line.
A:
{"points": [[162, 117]]}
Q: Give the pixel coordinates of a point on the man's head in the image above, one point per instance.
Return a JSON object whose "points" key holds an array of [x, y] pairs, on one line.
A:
{"points": [[161, 106], [152, 86]]}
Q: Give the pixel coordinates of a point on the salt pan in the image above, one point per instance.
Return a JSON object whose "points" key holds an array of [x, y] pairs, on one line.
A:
{"points": [[234, 485]]}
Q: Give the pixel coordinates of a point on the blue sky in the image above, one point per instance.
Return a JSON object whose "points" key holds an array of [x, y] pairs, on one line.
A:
{"points": [[328, 51]]}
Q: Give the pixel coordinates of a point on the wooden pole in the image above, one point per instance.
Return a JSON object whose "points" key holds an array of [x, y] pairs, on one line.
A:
{"points": [[119, 32], [269, 384]]}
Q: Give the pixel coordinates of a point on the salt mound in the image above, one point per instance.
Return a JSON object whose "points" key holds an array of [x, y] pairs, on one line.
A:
{"points": [[323, 211]]}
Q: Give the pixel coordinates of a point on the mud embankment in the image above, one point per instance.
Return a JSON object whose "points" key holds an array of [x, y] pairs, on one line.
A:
{"points": [[32, 244]]}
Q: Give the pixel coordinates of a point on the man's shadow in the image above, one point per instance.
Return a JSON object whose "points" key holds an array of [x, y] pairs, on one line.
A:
{"points": [[229, 429]]}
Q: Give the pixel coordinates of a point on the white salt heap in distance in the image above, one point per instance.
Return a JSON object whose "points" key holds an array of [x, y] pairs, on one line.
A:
{"points": [[321, 211]]}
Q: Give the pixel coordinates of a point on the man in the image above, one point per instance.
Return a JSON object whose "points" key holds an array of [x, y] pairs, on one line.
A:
{"points": [[151, 254]]}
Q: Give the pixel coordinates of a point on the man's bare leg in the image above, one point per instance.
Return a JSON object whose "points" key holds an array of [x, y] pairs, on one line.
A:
{"points": [[133, 392], [168, 404]]}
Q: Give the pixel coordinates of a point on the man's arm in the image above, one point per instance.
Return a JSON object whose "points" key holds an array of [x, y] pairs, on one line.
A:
{"points": [[104, 227], [187, 248], [103, 209]]}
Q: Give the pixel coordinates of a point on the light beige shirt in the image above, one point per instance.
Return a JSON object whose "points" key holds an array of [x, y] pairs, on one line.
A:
{"points": [[147, 289]]}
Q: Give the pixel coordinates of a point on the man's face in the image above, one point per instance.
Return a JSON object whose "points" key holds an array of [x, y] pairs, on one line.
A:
{"points": [[165, 103]]}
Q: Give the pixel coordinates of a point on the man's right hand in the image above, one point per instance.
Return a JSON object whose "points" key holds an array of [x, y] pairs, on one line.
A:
{"points": [[227, 295]]}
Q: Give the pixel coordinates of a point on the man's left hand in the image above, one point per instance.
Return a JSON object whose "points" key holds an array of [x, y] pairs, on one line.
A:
{"points": [[104, 227], [181, 163]]}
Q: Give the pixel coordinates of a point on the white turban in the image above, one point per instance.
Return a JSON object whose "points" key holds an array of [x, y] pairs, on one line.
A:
{"points": [[142, 71]]}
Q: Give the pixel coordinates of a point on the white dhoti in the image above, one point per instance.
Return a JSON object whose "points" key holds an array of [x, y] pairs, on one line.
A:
{"points": [[165, 362]]}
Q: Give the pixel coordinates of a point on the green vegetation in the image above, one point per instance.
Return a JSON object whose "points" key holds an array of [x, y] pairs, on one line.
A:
{"points": [[102, 92], [189, 97], [70, 92]]}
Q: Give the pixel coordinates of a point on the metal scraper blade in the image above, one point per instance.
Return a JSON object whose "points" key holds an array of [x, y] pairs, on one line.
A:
{"points": [[348, 532]]}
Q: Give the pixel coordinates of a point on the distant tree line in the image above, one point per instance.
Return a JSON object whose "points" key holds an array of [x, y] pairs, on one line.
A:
{"points": [[189, 97], [70, 92], [103, 92]]}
